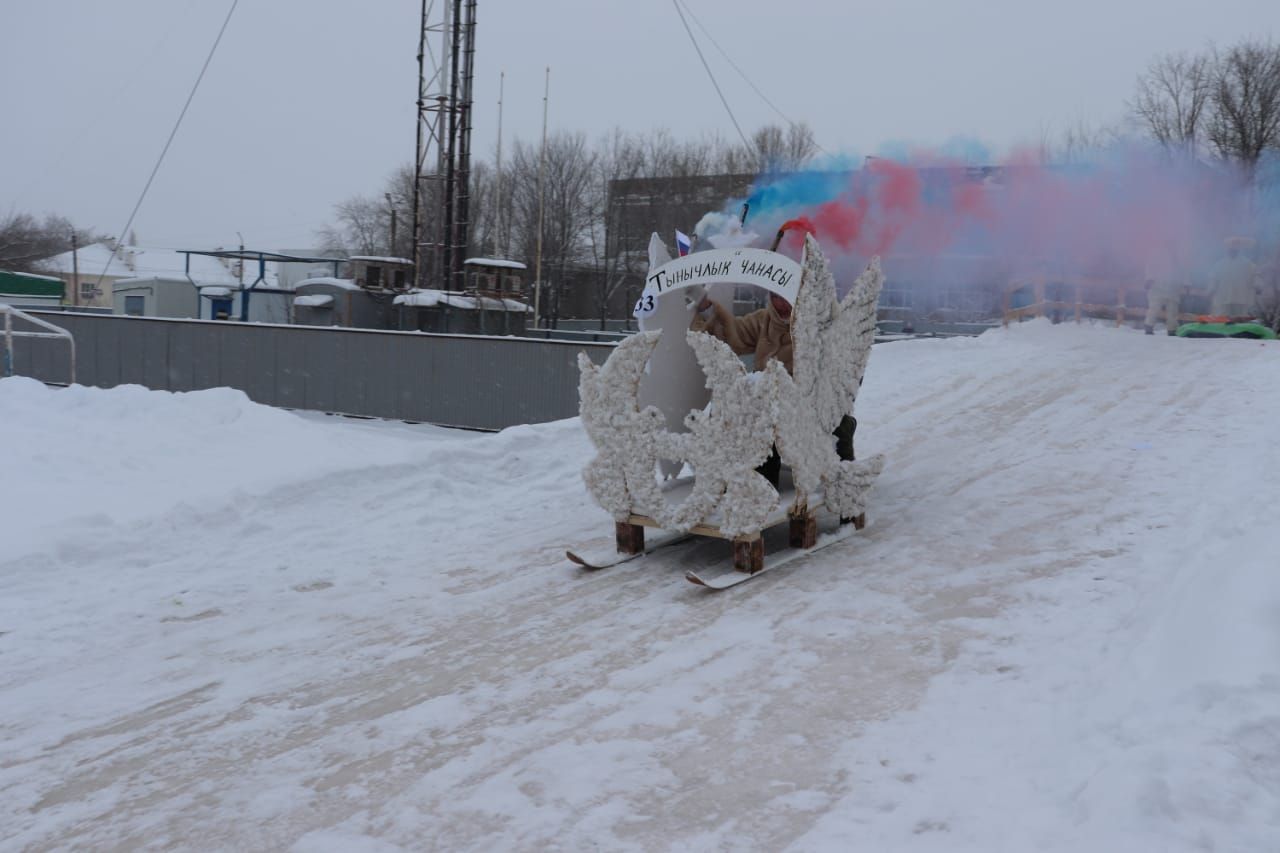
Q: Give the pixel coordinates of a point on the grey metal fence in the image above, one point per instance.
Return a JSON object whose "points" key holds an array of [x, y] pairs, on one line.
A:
{"points": [[455, 380]]}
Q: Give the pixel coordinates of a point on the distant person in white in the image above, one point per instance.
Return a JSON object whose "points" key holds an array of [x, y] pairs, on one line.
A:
{"points": [[1166, 284], [1234, 283]]}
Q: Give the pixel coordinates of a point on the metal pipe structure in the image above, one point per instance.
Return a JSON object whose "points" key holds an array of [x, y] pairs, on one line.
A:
{"points": [[432, 105], [442, 216], [462, 189], [498, 245], [451, 146], [542, 167], [418, 152], [54, 332], [75, 269]]}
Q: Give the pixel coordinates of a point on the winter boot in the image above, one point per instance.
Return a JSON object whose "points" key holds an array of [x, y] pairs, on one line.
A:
{"points": [[844, 449], [771, 470]]}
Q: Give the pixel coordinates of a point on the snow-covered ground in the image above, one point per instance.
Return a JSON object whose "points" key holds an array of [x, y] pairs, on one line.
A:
{"points": [[228, 627]]}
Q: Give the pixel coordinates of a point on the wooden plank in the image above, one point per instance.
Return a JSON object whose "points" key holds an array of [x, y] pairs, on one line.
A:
{"points": [[630, 538], [710, 530], [804, 530], [748, 554]]}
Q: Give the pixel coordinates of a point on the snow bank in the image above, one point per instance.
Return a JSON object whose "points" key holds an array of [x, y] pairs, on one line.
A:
{"points": [[1060, 630], [87, 458]]}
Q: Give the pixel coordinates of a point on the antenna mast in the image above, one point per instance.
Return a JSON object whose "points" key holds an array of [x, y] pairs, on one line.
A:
{"points": [[442, 164]]}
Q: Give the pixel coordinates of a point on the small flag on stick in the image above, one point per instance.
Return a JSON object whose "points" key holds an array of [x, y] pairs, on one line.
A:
{"points": [[683, 243]]}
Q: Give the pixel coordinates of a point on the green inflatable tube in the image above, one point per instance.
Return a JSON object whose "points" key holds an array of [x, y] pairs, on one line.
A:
{"points": [[1226, 330]]}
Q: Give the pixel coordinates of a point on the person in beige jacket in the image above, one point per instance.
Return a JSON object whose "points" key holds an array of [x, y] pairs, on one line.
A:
{"points": [[765, 334]]}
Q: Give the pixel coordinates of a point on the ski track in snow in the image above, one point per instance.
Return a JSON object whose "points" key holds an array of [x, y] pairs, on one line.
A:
{"points": [[1058, 632]]}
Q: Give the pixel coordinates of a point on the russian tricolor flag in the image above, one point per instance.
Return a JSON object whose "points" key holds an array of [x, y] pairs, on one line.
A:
{"points": [[683, 244]]}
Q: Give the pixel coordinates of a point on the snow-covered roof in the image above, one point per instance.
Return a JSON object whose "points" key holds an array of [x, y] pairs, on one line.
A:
{"points": [[433, 298], [380, 259], [419, 299], [314, 300], [147, 262], [511, 304], [34, 275], [496, 262], [217, 291], [329, 281]]}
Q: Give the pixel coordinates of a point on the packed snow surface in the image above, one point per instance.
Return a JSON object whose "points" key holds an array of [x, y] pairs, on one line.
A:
{"points": [[224, 626]]}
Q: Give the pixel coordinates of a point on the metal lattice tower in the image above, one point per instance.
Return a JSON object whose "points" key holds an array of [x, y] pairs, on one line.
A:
{"points": [[442, 169]]}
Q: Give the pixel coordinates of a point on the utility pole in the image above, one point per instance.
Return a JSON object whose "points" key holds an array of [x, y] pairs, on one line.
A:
{"points": [[542, 168], [240, 262], [392, 207], [75, 269]]}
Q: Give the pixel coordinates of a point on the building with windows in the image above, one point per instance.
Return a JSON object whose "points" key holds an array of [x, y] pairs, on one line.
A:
{"points": [[940, 287]]}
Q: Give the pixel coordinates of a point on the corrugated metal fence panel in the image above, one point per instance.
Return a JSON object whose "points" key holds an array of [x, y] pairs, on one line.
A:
{"points": [[478, 382], [48, 360]]}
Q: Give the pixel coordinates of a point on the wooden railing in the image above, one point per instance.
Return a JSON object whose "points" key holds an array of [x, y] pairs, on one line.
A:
{"points": [[1079, 296]]}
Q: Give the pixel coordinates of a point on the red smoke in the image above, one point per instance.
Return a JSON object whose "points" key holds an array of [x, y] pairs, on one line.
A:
{"points": [[1116, 212]]}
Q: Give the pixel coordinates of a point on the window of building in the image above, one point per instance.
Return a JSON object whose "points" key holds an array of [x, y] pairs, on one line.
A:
{"points": [[373, 276], [399, 279], [135, 306]]}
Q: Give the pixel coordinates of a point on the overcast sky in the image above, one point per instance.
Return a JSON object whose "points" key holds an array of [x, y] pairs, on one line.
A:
{"points": [[309, 101]]}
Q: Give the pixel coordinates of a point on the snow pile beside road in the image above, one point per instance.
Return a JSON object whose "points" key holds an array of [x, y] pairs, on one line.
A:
{"points": [[88, 458], [1060, 630]]}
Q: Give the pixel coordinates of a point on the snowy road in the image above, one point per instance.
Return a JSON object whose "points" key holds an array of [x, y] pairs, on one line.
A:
{"points": [[1061, 630]]}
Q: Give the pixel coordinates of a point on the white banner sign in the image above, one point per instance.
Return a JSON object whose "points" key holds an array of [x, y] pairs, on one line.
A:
{"points": [[760, 267]]}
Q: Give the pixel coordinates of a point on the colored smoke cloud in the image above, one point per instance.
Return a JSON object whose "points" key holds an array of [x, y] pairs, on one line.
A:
{"points": [[1109, 214]]}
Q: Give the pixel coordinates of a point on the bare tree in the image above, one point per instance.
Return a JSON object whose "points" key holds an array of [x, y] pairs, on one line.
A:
{"points": [[364, 222], [1172, 97], [26, 241], [566, 219], [1081, 139], [1245, 120], [619, 156], [784, 150], [363, 228]]}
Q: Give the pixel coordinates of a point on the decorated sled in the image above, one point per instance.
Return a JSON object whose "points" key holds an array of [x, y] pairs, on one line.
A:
{"points": [[680, 425]]}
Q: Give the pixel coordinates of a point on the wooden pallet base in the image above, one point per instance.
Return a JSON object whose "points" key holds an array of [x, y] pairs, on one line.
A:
{"points": [[747, 551]]}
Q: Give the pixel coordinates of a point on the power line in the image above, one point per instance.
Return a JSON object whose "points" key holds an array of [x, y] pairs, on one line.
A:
{"points": [[172, 134], [741, 73], [727, 109]]}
